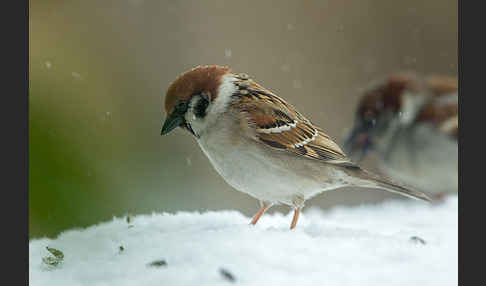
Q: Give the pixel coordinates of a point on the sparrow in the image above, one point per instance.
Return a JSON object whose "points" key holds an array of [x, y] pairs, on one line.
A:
{"points": [[411, 124], [260, 144]]}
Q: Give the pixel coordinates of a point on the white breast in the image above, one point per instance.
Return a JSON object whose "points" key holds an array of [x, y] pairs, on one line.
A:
{"points": [[253, 169]]}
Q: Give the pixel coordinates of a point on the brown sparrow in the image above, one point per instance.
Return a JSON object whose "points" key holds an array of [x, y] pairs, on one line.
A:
{"points": [[412, 125], [259, 143]]}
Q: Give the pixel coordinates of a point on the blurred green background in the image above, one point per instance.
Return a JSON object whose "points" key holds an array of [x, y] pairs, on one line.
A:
{"points": [[99, 71]]}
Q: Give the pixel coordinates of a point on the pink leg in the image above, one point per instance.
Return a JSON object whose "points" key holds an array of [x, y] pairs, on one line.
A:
{"points": [[439, 198], [265, 207], [296, 218]]}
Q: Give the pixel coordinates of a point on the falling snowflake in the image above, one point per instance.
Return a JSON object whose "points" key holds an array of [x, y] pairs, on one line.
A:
{"points": [[227, 53]]}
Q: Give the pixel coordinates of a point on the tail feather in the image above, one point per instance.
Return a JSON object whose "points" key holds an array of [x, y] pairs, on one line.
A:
{"points": [[389, 185]]}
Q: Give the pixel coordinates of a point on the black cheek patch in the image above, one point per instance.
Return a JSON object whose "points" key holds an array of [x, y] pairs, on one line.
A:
{"points": [[200, 108]]}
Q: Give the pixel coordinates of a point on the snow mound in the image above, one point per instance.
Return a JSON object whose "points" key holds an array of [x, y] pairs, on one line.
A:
{"points": [[392, 243]]}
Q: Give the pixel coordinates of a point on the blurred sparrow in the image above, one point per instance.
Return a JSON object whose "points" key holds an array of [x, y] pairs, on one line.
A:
{"points": [[412, 125], [259, 143]]}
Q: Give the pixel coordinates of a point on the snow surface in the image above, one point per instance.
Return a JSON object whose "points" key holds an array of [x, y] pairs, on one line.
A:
{"points": [[364, 245]]}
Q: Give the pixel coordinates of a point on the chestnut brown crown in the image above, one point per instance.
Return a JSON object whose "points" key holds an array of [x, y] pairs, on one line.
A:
{"points": [[387, 96], [195, 81]]}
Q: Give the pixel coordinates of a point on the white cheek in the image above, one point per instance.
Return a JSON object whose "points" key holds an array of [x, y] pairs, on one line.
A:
{"points": [[216, 108], [411, 105], [226, 90], [191, 117]]}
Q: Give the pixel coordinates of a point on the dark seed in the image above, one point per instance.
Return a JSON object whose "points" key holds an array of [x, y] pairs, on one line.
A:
{"points": [[227, 275], [158, 263], [417, 239], [54, 260], [57, 253]]}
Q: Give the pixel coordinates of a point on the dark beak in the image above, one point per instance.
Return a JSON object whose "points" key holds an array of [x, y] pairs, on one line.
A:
{"points": [[172, 121], [358, 143]]}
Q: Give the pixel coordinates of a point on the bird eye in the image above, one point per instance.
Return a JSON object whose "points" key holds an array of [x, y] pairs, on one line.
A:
{"points": [[369, 123], [181, 106]]}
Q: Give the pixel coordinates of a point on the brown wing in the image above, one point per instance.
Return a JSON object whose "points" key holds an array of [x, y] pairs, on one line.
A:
{"points": [[442, 109], [442, 85], [278, 125]]}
